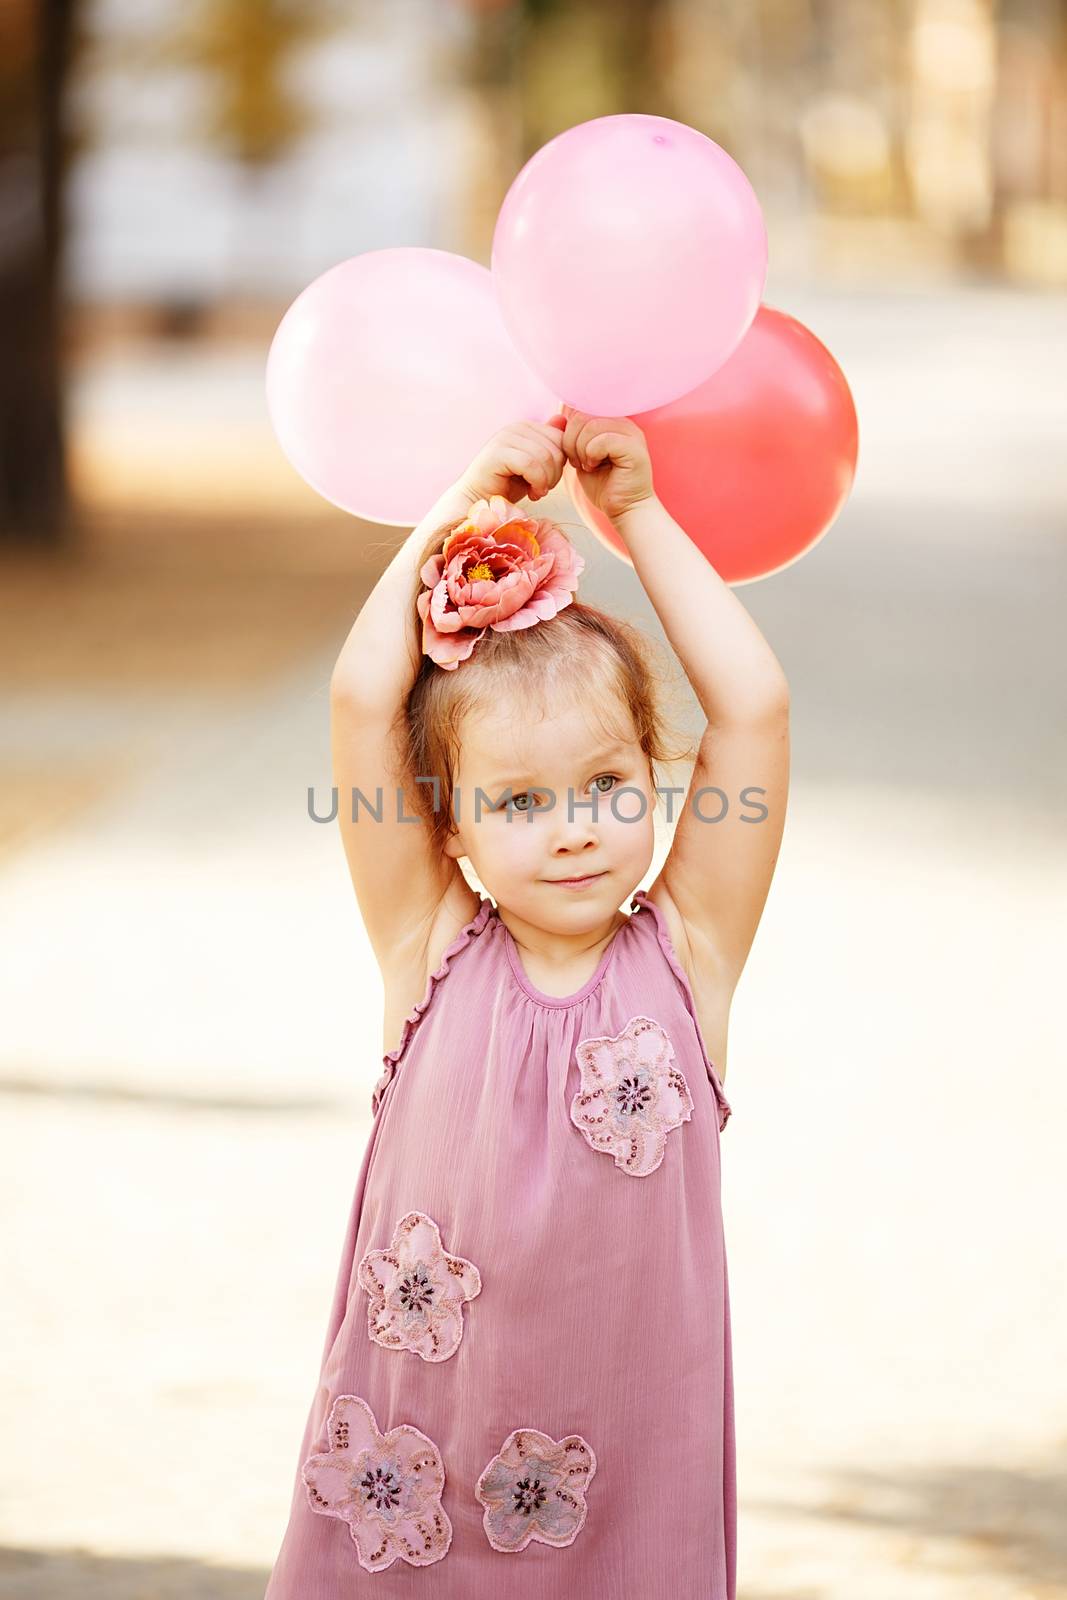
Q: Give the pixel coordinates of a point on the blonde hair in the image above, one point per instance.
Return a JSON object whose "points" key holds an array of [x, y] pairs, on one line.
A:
{"points": [[582, 652]]}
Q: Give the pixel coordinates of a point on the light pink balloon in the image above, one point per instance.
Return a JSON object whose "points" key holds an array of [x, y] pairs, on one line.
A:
{"points": [[389, 373], [629, 260]]}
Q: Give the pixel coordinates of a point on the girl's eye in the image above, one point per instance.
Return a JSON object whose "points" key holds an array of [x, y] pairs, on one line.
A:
{"points": [[513, 803], [525, 795]]}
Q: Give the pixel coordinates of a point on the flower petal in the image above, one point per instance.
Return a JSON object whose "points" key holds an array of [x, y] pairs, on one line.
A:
{"points": [[330, 1484], [419, 1457], [423, 1539], [387, 1489], [351, 1426], [534, 1489], [633, 1094], [526, 572], [417, 1290]]}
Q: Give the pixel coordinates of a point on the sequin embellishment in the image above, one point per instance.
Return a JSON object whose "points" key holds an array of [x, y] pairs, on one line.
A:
{"points": [[632, 1095], [387, 1487], [417, 1290], [534, 1488]]}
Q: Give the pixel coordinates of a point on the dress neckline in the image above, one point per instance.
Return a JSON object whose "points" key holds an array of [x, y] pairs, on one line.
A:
{"points": [[557, 1000]]}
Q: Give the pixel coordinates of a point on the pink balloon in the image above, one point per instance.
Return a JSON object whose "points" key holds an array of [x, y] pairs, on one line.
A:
{"points": [[629, 259], [387, 375], [757, 462]]}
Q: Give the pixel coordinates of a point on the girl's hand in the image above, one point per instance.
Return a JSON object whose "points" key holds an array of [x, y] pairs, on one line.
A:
{"points": [[610, 457], [524, 460]]}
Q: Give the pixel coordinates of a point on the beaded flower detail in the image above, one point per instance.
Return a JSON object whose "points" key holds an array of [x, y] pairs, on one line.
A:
{"points": [[417, 1290], [632, 1095], [387, 1487], [534, 1488]]}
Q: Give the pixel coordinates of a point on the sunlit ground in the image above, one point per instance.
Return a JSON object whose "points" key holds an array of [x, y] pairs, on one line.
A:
{"points": [[192, 1017]]}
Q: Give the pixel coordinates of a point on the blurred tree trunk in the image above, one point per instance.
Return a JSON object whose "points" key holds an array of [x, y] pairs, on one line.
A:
{"points": [[35, 39], [537, 67], [592, 60], [488, 72]]}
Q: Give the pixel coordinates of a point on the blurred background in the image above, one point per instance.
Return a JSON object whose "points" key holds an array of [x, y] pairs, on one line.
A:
{"points": [[191, 1012]]}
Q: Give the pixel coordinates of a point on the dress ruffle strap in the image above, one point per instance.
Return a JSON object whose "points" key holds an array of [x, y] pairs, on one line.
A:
{"points": [[391, 1059], [663, 932]]}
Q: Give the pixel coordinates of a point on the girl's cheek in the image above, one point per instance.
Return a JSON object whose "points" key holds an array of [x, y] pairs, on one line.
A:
{"points": [[628, 810], [517, 838]]}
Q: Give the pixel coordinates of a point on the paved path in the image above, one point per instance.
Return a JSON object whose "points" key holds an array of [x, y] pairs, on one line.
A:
{"points": [[192, 1026]]}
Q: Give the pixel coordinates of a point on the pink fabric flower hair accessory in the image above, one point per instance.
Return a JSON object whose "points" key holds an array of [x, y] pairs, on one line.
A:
{"points": [[499, 569]]}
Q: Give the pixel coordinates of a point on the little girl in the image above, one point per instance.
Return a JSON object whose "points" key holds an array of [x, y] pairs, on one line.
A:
{"points": [[526, 1385]]}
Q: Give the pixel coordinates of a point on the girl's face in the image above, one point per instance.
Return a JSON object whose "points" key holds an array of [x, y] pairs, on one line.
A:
{"points": [[539, 801]]}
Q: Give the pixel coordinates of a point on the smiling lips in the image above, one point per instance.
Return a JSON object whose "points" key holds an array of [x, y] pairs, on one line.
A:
{"points": [[582, 878]]}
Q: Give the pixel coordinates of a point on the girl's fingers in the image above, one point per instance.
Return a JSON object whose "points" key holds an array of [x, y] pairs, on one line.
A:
{"points": [[575, 422], [537, 478], [534, 471], [586, 429], [589, 436], [544, 432], [534, 456], [598, 440], [553, 461]]}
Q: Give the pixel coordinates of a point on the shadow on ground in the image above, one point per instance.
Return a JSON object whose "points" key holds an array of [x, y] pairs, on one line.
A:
{"points": [[1013, 1522], [42, 1575]]}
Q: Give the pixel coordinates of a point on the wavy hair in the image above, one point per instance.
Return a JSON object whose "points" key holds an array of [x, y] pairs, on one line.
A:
{"points": [[581, 654]]}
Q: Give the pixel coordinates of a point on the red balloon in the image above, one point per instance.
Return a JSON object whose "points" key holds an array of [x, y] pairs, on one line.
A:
{"points": [[756, 463]]}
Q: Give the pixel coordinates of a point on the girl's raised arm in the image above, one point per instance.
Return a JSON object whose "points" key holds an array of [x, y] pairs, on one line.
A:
{"points": [[718, 870], [400, 882]]}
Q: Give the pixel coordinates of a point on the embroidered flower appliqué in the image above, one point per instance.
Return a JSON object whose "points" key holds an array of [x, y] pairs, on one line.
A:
{"points": [[632, 1095], [534, 1488], [387, 1487], [417, 1290]]}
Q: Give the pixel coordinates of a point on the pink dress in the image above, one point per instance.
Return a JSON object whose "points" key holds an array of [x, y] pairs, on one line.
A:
{"points": [[526, 1390]]}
